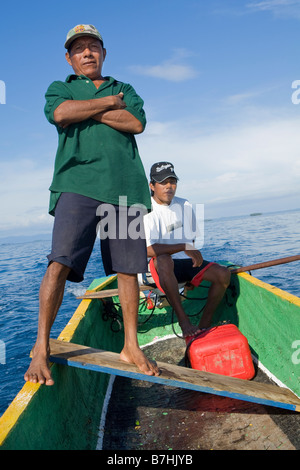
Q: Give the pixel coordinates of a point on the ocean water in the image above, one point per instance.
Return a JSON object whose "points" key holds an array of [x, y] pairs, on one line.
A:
{"points": [[241, 240]]}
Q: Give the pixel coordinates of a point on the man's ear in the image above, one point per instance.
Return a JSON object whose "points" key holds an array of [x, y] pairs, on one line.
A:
{"points": [[68, 58], [151, 185], [104, 53]]}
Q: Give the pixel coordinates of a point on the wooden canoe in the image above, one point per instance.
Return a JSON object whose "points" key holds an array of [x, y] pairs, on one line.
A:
{"points": [[70, 415]]}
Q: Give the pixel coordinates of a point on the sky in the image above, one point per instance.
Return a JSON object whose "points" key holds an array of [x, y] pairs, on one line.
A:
{"points": [[221, 85]]}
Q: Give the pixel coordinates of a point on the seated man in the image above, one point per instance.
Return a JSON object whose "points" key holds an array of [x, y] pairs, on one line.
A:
{"points": [[170, 236]]}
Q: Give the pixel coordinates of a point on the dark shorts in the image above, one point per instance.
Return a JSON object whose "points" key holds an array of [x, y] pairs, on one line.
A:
{"points": [[77, 220], [184, 271]]}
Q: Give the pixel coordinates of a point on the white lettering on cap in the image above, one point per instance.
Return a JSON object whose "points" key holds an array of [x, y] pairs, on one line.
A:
{"points": [[164, 167]]}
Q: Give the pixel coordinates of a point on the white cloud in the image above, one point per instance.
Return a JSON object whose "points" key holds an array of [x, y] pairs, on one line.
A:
{"points": [[288, 8], [278, 8], [245, 161], [172, 69], [272, 4], [249, 96]]}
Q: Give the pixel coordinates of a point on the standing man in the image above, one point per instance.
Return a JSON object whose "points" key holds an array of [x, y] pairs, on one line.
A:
{"points": [[170, 233], [97, 163]]}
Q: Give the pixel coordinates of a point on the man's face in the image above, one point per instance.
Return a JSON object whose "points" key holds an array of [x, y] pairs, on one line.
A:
{"points": [[164, 191], [86, 57]]}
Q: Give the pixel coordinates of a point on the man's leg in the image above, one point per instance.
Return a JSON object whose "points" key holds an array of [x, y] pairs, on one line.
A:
{"points": [[74, 234], [51, 295], [219, 277], [165, 269], [129, 298]]}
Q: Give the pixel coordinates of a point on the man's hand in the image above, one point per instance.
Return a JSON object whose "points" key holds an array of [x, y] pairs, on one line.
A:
{"points": [[118, 102], [195, 255]]}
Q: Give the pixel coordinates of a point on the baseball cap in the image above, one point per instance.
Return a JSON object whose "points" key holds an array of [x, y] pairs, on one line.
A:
{"points": [[82, 30], [161, 171]]}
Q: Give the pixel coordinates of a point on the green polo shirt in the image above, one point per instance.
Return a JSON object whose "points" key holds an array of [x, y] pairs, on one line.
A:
{"points": [[92, 158]]}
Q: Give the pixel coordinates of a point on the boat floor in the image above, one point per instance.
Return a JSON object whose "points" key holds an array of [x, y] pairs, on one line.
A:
{"points": [[146, 416]]}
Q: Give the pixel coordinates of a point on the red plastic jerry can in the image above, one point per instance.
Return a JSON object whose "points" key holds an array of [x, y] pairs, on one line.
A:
{"points": [[221, 350]]}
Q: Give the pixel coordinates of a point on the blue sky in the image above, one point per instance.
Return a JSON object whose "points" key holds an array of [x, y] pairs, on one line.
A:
{"points": [[216, 77]]}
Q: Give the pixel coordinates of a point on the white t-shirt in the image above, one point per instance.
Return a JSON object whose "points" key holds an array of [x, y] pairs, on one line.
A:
{"points": [[171, 224]]}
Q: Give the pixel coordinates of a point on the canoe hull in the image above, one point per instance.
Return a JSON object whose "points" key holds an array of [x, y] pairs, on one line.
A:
{"points": [[68, 415]]}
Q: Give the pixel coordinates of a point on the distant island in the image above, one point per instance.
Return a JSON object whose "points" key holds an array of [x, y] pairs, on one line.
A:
{"points": [[256, 213]]}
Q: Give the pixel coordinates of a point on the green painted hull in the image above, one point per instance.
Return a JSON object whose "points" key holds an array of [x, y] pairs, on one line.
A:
{"points": [[67, 415]]}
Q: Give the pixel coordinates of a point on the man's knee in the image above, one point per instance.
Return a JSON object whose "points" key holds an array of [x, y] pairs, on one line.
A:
{"points": [[224, 276], [219, 275], [127, 278], [58, 270], [164, 265]]}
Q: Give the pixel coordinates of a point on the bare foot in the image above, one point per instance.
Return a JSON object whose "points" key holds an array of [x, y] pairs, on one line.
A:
{"points": [[38, 371], [138, 358]]}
